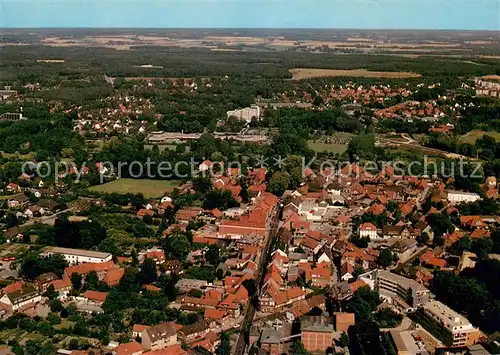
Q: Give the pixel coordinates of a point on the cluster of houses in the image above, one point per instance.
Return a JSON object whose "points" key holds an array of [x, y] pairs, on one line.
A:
{"points": [[119, 116]]}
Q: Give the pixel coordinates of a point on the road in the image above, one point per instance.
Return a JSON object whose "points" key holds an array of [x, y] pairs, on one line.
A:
{"points": [[405, 325], [242, 344], [45, 219]]}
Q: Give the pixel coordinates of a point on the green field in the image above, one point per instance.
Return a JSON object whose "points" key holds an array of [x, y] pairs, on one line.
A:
{"points": [[149, 188], [321, 147], [472, 136]]}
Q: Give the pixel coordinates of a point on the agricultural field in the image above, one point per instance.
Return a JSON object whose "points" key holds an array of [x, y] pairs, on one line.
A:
{"points": [[308, 73], [149, 188], [472, 136]]}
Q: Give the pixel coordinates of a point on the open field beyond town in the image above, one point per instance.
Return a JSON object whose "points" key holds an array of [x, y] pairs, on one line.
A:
{"points": [[149, 188], [472, 136], [307, 73]]}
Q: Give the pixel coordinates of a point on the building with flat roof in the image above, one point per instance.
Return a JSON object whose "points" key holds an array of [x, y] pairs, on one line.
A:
{"points": [[406, 344], [405, 293], [78, 256], [462, 331]]}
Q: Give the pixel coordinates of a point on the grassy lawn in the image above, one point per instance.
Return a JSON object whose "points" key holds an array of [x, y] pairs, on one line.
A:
{"points": [[29, 156], [149, 188], [472, 136], [321, 147]]}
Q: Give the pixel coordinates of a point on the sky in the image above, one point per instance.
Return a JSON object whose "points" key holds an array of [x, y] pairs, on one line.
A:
{"points": [[368, 14]]}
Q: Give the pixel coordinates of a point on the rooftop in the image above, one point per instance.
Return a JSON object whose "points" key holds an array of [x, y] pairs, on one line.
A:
{"points": [[80, 252]]}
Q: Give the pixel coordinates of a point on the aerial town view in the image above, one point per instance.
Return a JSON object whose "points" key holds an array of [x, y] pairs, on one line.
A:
{"points": [[222, 180]]}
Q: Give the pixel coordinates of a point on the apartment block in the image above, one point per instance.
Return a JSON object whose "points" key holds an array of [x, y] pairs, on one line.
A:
{"points": [[462, 331]]}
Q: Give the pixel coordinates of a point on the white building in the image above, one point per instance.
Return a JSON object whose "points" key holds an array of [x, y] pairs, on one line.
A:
{"points": [[461, 196], [246, 113], [463, 332], [368, 230], [77, 256], [21, 298]]}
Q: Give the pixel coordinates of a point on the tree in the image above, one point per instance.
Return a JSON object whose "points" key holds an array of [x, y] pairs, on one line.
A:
{"points": [[177, 246], [343, 341], [224, 347], [51, 292], [278, 183], [440, 224], [362, 145], [212, 255], [148, 273], [91, 280], [385, 258], [221, 199], [76, 280], [298, 348]]}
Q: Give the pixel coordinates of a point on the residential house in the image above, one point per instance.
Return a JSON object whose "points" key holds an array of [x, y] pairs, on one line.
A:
{"points": [[190, 332], [159, 336]]}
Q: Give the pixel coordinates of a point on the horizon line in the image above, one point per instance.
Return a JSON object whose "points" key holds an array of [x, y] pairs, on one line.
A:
{"points": [[248, 28]]}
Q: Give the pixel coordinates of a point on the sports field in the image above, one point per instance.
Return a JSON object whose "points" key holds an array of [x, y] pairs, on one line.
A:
{"points": [[149, 188]]}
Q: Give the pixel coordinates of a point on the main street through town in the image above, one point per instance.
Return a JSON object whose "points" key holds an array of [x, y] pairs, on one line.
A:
{"points": [[242, 343]]}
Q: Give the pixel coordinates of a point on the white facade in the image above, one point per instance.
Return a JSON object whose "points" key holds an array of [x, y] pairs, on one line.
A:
{"points": [[22, 302], [78, 256], [458, 325], [246, 113], [461, 196], [368, 231]]}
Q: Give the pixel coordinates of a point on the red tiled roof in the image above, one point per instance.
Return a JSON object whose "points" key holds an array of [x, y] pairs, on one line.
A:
{"points": [[128, 348], [95, 295], [368, 226]]}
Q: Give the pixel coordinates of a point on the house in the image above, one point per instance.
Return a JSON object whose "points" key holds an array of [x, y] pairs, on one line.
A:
{"points": [[132, 348], [159, 336], [137, 330], [158, 255], [207, 164], [17, 201], [12, 187], [219, 316], [193, 331], [63, 287], [26, 296], [392, 231], [34, 211], [368, 230], [43, 280], [95, 297]]}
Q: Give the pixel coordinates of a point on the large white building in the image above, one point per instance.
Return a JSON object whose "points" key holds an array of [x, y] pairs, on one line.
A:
{"points": [[368, 230], [461, 196], [407, 294], [462, 331], [246, 113], [78, 256], [24, 297]]}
